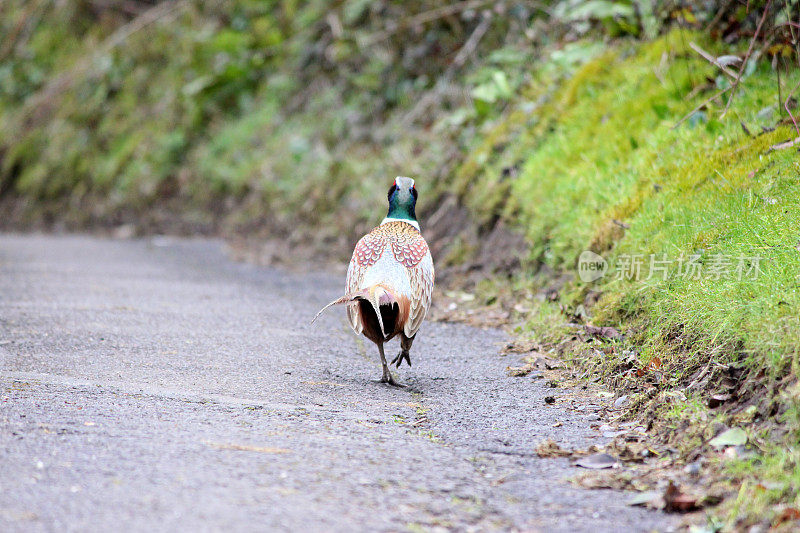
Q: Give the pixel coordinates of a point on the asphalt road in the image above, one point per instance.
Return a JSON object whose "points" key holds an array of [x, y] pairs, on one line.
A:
{"points": [[155, 385]]}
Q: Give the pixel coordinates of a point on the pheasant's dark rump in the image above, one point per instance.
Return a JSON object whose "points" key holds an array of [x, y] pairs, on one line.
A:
{"points": [[372, 329]]}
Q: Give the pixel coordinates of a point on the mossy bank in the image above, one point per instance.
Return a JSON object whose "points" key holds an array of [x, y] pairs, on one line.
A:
{"points": [[287, 120]]}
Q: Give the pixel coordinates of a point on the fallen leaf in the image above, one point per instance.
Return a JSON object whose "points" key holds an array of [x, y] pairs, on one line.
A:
{"points": [[738, 452], [718, 399], [550, 448], [552, 365], [605, 332], [644, 498], [731, 437], [693, 469], [728, 60], [675, 501], [597, 461], [789, 514], [520, 371], [603, 480]]}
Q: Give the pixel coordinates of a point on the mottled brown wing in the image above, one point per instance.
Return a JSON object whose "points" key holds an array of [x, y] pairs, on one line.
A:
{"points": [[422, 277], [366, 253], [411, 250]]}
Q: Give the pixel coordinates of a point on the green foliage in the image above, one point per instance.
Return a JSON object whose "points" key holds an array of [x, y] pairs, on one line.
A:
{"points": [[604, 168], [290, 118]]}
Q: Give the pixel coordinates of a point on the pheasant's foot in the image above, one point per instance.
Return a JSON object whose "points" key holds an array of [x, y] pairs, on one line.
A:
{"points": [[388, 379], [403, 355]]}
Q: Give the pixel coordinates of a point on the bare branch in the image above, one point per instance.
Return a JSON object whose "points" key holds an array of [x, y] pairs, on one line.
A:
{"points": [[713, 60], [705, 102], [738, 79], [426, 16], [65, 80], [786, 106], [461, 57]]}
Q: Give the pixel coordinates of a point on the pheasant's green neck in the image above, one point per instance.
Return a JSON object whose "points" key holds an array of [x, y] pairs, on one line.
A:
{"points": [[400, 210], [402, 202]]}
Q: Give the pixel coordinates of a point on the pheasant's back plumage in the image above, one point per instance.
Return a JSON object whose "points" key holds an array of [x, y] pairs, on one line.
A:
{"points": [[396, 257]]}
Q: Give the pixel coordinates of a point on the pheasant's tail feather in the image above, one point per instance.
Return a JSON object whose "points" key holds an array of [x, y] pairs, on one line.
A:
{"points": [[346, 299], [376, 295], [374, 299]]}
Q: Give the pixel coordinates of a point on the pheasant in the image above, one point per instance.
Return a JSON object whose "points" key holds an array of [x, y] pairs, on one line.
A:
{"points": [[390, 278]]}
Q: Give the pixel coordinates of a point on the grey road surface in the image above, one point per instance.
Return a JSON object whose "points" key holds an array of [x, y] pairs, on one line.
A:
{"points": [[156, 385]]}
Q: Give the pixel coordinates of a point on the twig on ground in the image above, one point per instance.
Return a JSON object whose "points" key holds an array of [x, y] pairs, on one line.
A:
{"points": [[738, 79], [713, 60], [697, 90], [704, 103], [784, 145], [788, 23], [786, 106]]}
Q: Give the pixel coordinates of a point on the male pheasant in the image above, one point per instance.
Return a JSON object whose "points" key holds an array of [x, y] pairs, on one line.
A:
{"points": [[390, 278]]}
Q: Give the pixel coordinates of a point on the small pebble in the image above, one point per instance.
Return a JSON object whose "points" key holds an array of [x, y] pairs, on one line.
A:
{"points": [[693, 469]]}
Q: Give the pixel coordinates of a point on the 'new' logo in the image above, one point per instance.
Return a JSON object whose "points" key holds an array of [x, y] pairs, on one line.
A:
{"points": [[591, 266]]}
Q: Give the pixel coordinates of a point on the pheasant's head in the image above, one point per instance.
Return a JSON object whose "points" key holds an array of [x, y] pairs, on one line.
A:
{"points": [[402, 199]]}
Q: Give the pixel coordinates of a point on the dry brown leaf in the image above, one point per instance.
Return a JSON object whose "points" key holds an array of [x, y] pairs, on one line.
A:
{"points": [[520, 371], [675, 501], [604, 332], [789, 514], [603, 480], [550, 448]]}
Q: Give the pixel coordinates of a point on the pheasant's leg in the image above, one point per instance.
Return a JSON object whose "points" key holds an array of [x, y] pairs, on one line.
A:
{"points": [[387, 376], [405, 348]]}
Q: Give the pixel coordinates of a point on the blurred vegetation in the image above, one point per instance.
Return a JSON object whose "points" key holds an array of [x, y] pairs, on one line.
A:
{"points": [[580, 124]]}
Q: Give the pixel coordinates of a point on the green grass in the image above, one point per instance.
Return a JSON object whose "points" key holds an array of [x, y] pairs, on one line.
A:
{"points": [[609, 158], [221, 118], [703, 189]]}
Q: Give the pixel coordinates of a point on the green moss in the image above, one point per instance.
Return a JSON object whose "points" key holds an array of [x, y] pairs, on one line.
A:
{"points": [[612, 174]]}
